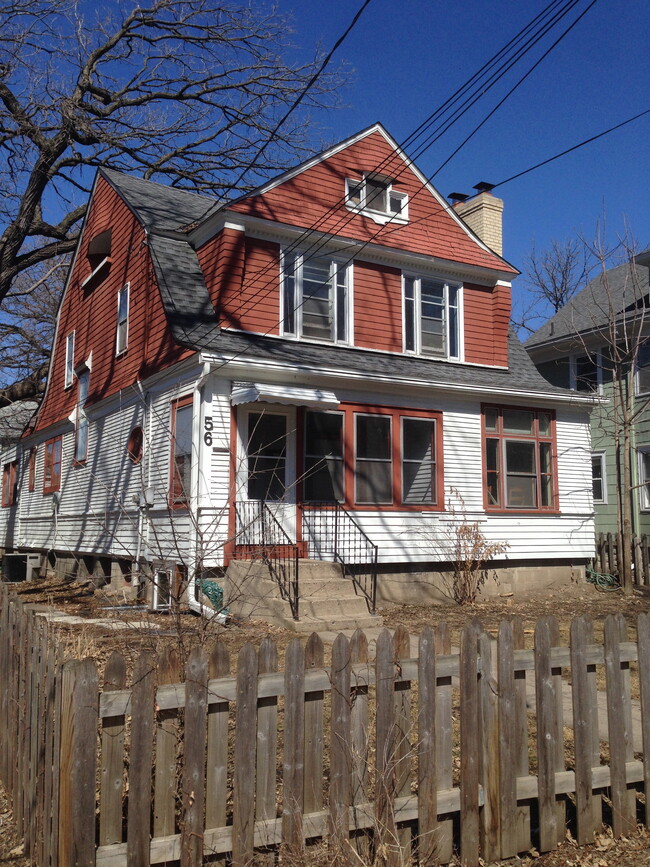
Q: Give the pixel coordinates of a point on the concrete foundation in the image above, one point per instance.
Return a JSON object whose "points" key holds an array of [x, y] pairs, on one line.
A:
{"points": [[419, 585]]}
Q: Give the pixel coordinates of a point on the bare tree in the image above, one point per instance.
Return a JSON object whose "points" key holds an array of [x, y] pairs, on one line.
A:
{"points": [[184, 91], [27, 331], [551, 278]]}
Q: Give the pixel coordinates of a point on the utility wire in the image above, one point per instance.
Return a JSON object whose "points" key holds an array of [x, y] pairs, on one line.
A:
{"points": [[574, 148], [322, 242], [303, 92]]}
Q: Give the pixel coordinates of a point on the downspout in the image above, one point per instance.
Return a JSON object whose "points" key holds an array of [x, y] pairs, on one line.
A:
{"points": [[197, 497], [142, 498]]}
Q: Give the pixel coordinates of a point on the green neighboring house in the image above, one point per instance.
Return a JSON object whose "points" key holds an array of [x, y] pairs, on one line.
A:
{"points": [[573, 349]]}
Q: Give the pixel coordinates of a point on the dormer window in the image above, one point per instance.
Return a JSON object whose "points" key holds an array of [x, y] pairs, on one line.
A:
{"points": [[99, 257], [375, 196]]}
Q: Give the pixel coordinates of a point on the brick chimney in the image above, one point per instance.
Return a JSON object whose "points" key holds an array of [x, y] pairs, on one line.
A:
{"points": [[483, 213]]}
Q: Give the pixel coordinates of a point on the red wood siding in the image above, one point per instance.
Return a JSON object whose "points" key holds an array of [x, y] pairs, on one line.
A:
{"points": [[243, 278], [316, 198], [92, 314], [377, 307], [487, 314]]}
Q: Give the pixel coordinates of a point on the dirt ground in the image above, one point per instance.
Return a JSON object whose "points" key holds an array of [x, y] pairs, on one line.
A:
{"points": [[147, 631]]}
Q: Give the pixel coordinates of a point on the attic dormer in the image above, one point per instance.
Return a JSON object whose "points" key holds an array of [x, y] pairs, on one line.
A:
{"points": [[98, 255]]}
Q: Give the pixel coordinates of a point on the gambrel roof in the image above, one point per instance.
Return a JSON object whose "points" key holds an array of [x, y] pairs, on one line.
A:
{"points": [[171, 217]]}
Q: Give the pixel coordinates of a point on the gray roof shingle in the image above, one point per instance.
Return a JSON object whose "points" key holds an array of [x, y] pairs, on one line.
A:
{"points": [[158, 206], [521, 375], [592, 308]]}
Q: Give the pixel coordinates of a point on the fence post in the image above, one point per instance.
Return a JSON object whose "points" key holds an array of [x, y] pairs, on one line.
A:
{"points": [[77, 764], [643, 639], [469, 745], [584, 714], [489, 754], [547, 734], [340, 756], [196, 730], [243, 810], [427, 786], [143, 694]]}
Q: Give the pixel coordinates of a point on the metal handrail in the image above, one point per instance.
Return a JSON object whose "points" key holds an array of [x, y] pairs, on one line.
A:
{"points": [[332, 530], [259, 534]]}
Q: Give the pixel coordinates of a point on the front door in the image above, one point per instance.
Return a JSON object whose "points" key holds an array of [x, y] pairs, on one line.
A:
{"points": [[266, 473]]}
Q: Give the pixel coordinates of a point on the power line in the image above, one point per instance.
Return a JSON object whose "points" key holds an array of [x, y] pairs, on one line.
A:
{"points": [[303, 92], [323, 241], [574, 148]]}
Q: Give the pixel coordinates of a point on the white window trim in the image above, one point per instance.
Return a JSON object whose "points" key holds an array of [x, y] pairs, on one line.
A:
{"points": [[596, 356], [637, 389], [601, 455], [380, 217], [417, 277], [69, 359], [349, 301], [120, 350], [644, 499]]}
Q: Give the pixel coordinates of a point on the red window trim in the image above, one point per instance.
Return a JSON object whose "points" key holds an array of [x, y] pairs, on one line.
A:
{"points": [[501, 509], [9, 484], [396, 414], [182, 500], [54, 466]]}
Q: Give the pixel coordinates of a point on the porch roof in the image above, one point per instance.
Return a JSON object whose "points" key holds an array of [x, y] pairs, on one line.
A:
{"points": [[250, 392]]}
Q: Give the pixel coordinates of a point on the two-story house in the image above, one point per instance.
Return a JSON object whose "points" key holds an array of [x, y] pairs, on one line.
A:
{"points": [[233, 374], [599, 343]]}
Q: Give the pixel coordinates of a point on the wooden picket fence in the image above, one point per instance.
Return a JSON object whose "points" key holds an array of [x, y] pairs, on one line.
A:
{"points": [[386, 761], [608, 556]]}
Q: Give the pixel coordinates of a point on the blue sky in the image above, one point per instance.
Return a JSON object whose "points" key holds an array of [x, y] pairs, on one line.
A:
{"points": [[407, 57]]}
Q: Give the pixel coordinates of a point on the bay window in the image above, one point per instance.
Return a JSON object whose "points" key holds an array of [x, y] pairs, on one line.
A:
{"points": [[315, 298], [519, 459], [431, 317]]}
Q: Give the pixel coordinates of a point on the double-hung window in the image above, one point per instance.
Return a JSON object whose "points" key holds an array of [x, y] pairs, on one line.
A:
{"points": [[81, 429], [122, 339], [69, 359], [586, 372], [9, 483], [598, 477], [324, 465], [52, 465], [315, 298], [519, 464], [181, 452], [642, 378], [431, 317], [644, 477]]}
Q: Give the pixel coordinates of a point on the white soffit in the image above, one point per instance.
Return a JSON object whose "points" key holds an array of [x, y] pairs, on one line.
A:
{"points": [[252, 392]]}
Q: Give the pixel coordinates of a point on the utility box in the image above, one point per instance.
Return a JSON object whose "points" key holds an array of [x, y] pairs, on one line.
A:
{"points": [[21, 567]]}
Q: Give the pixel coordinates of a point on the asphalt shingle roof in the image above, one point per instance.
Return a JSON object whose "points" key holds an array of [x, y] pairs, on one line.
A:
{"points": [[158, 206], [521, 375], [591, 309]]}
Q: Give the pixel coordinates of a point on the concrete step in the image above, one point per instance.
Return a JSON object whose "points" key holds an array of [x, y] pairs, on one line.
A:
{"points": [[327, 600]]}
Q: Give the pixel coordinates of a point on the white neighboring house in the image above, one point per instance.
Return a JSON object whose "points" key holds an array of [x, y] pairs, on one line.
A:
{"points": [[309, 368]]}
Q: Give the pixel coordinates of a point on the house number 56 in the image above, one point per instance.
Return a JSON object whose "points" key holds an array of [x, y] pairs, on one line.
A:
{"points": [[207, 428]]}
